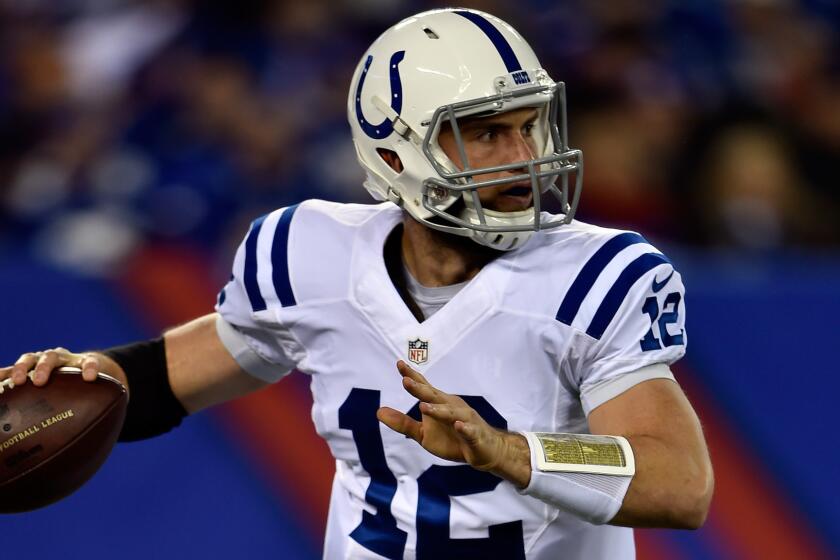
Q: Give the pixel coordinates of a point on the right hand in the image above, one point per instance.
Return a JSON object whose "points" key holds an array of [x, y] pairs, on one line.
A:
{"points": [[42, 364]]}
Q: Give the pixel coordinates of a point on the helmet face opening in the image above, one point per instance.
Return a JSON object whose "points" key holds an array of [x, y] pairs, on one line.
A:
{"points": [[554, 160]]}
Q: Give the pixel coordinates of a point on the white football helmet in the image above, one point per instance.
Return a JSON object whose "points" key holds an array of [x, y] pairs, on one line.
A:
{"points": [[439, 66]]}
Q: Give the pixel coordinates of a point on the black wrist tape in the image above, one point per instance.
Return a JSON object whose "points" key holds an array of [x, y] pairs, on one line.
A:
{"points": [[153, 408]]}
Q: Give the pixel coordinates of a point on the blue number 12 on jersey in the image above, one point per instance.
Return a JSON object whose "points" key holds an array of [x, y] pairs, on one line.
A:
{"points": [[669, 316], [379, 532]]}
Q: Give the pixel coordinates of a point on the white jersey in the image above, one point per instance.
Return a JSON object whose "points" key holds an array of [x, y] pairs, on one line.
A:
{"points": [[541, 336]]}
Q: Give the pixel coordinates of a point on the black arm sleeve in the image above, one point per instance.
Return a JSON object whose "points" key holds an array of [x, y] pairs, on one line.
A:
{"points": [[153, 408]]}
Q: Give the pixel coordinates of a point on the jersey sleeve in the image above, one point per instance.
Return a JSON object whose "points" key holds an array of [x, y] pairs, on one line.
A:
{"points": [[639, 330], [625, 306], [249, 324]]}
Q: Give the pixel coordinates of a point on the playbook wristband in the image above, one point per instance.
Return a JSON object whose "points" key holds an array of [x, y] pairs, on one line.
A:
{"points": [[585, 475], [581, 453], [153, 408]]}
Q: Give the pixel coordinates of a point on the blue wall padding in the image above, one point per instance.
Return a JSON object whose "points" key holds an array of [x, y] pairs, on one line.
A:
{"points": [[764, 335]]}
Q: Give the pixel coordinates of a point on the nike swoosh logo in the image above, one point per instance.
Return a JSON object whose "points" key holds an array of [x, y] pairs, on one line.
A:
{"points": [[657, 286]]}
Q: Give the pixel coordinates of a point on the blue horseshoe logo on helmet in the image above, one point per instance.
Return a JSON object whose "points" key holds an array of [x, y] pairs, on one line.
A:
{"points": [[383, 129]]}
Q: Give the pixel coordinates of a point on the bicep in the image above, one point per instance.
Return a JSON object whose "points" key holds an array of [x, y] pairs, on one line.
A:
{"points": [[202, 372]]}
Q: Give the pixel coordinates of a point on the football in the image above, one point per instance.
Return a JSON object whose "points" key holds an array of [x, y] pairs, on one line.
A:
{"points": [[54, 438]]}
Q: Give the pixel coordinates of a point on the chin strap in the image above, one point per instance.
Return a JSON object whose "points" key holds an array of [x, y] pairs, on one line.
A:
{"points": [[395, 197], [400, 126], [500, 240]]}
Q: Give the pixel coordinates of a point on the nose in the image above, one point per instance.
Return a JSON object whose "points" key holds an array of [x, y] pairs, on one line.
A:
{"points": [[520, 150]]}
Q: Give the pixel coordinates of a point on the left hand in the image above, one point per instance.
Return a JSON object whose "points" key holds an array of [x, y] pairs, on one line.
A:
{"points": [[452, 430]]}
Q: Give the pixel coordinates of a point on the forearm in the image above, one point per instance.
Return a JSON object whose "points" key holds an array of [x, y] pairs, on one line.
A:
{"points": [[672, 487], [201, 371], [674, 481], [188, 359], [184, 371]]}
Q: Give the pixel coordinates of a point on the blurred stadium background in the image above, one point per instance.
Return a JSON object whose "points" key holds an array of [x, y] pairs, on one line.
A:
{"points": [[138, 139]]}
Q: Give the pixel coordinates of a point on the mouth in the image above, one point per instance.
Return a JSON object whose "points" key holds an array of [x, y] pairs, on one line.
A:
{"points": [[516, 197], [517, 191]]}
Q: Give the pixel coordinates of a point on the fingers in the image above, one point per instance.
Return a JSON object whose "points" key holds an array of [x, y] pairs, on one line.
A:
{"points": [[446, 412], [419, 387], [6, 372], [407, 371], [38, 366], [47, 362], [400, 422], [23, 365], [90, 366], [464, 420], [424, 392]]}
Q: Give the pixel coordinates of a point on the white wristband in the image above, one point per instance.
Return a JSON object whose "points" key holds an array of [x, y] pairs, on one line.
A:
{"points": [[585, 475]]}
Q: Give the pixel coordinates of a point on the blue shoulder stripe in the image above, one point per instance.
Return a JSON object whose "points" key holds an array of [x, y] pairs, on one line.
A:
{"points": [[280, 258], [499, 41], [252, 287], [615, 296], [590, 272]]}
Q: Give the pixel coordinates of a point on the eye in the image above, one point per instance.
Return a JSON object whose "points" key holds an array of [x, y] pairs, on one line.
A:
{"points": [[528, 129], [487, 135]]}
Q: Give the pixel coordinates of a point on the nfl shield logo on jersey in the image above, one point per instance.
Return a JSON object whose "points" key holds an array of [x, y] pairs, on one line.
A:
{"points": [[418, 351]]}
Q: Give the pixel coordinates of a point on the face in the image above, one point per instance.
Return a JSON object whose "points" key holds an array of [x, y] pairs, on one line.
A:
{"points": [[497, 140]]}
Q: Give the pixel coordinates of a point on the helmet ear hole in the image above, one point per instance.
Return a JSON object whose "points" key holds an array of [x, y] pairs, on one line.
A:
{"points": [[391, 158]]}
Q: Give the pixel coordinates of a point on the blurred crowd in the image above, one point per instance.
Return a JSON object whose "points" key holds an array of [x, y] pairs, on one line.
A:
{"points": [[124, 122]]}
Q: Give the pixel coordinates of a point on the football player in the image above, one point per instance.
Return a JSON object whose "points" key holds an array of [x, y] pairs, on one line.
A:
{"points": [[532, 412]]}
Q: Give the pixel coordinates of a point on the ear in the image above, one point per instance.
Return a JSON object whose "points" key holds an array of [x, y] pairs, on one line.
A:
{"points": [[391, 158]]}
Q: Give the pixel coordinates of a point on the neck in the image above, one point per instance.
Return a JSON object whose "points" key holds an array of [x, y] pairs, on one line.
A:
{"points": [[436, 258]]}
